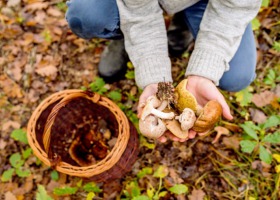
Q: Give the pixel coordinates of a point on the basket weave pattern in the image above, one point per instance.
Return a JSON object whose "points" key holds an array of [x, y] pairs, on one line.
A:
{"points": [[100, 169]]}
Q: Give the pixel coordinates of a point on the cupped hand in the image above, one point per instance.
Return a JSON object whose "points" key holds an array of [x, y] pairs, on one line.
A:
{"points": [[205, 90], [202, 88]]}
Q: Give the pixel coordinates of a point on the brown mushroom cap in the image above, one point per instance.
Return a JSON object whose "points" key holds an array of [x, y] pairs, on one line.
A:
{"points": [[152, 127], [175, 128], [209, 116], [184, 99]]}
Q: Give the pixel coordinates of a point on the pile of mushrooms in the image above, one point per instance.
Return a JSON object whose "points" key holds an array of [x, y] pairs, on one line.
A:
{"points": [[161, 113]]}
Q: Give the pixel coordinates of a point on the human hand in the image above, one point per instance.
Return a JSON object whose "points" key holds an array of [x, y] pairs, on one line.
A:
{"points": [[204, 90]]}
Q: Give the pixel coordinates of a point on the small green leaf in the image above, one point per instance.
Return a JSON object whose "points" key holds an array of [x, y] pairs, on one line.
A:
{"points": [[135, 192], [54, 175], [179, 189], [150, 192], [130, 65], [65, 190], [276, 46], [142, 197], [271, 122], [265, 156], [42, 194], [256, 24], [144, 171], [115, 95], [161, 172], [26, 153], [7, 175], [23, 173], [251, 132], [16, 160], [130, 74], [90, 196], [92, 187], [162, 194], [272, 138], [265, 3], [244, 97], [19, 135], [247, 146], [98, 86]]}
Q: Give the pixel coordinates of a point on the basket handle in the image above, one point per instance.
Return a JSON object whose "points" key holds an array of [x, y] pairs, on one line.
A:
{"points": [[62, 103]]}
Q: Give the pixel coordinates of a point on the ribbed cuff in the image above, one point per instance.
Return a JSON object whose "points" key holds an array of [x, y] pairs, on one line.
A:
{"points": [[207, 64], [152, 70]]}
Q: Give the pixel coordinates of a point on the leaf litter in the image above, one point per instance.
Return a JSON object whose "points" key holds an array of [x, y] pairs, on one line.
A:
{"points": [[39, 56]]}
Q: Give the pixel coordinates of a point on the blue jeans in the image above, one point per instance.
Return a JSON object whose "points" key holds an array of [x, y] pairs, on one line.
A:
{"points": [[100, 18]]}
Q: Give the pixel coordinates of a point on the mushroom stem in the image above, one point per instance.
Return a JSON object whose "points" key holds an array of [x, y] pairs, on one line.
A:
{"points": [[162, 105], [163, 115]]}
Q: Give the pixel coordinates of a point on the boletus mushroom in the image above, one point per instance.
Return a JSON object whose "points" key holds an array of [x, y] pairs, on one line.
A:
{"points": [[184, 99], [208, 117]]}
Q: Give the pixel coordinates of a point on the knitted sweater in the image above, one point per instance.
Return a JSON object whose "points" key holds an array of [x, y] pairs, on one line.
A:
{"points": [[221, 30]]}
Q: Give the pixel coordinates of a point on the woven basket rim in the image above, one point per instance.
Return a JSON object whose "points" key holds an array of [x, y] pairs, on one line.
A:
{"points": [[103, 165]]}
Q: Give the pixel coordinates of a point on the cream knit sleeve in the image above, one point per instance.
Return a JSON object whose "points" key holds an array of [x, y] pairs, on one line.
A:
{"points": [[144, 30], [221, 30]]}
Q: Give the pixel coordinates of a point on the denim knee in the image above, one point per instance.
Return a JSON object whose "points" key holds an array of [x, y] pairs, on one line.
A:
{"points": [[94, 18], [242, 70]]}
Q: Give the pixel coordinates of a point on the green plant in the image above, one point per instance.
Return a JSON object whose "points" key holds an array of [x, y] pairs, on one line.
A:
{"points": [[276, 46], [271, 78], [98, 86], [41, 193], [257, 140], [17, 160], [90, 187]]}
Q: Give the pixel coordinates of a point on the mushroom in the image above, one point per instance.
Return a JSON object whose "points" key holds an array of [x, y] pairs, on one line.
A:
{"points": [[187, 119], [151, 108], [175, 128], [152, 127], [79, 154], [208, 117], [184, 99]]}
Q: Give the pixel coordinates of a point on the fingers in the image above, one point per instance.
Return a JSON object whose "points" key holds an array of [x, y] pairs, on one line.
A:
{"points": [[226, 109]]}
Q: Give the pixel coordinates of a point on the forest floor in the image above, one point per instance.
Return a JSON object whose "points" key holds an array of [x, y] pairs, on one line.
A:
{"points": [[39, 55]]}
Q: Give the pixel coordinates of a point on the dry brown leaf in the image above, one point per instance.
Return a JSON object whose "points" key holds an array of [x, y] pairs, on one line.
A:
{"points": [[257, 115], [10, 196], [46, 71], [10, 124], [37, 6], [2, 144], [232, 142], [263, 99], [196, 195], [54, 12], [10, 88]]}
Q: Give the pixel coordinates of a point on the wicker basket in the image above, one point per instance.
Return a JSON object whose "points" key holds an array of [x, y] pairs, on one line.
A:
{"points": [[62, 116]]}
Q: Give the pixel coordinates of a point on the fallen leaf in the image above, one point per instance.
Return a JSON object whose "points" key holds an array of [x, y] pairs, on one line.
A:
{"points": [[257, 115], [2, 144], [10, 124], [10, 196], [263, 99], [48, 70], [196, 195], [10, 88], [54, 12], [13, 3], [232, 142]]}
